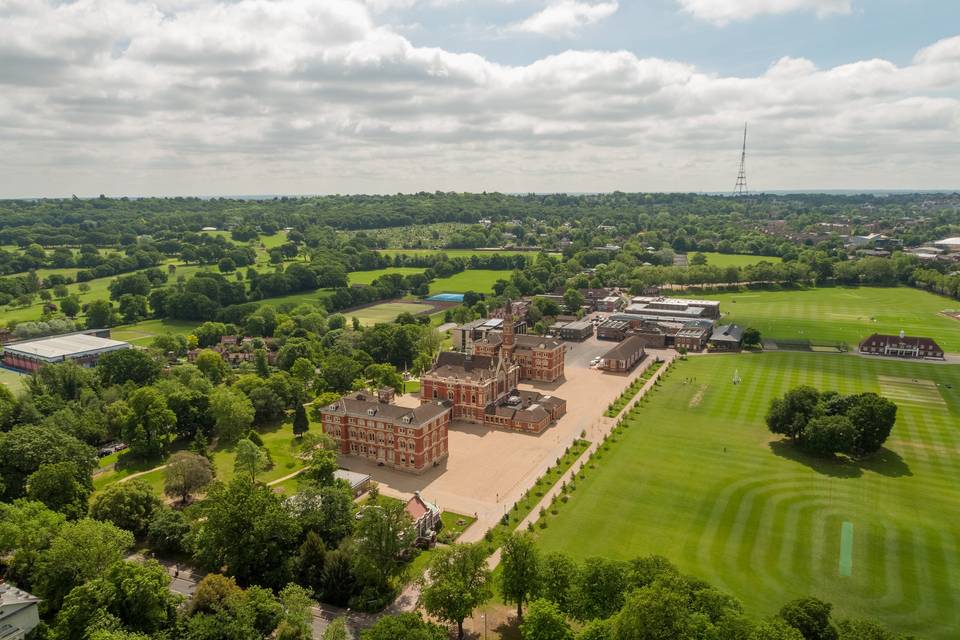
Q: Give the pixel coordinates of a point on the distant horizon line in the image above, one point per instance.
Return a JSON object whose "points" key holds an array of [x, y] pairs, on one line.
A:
{"points": [[270, 196]]}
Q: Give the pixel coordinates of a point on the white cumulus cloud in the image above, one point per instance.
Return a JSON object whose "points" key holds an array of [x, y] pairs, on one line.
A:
{"points": [[722, 12], [299, 96], [564, 18]]}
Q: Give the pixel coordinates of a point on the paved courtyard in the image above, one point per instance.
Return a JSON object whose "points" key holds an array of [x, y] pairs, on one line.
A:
{"points": [[489, 469]]}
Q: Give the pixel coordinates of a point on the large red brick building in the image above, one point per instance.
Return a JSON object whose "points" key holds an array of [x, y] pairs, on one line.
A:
{"points": [[469, 382], [398, 437], [482, 386], [540, 359]]}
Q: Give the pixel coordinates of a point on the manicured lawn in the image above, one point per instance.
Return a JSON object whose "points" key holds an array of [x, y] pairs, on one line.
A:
{"points": [[479, 280], [842, 314], [630, 392], [366, 277], [279, 440], [695, 476], [273, 241], [142, 333], [15, 381], [457, 253], [735, 259], [295, 299], [386, 312]]}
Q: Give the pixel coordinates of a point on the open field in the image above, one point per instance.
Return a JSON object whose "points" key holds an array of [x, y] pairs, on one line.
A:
{"points": [[479, 280], [366, 277], [842, 314], [99, 290], [142, 333], [697, 478], [458, 253], [387, 312], [736, 259], [14, 381], [278, 440], [294, 299]]}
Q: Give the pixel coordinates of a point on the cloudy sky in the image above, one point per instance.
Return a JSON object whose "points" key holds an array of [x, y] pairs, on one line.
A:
{"points": [[233, 97]]}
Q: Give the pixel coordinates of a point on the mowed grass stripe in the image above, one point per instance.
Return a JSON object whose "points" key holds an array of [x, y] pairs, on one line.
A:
{"points": [[839, 314], [763, 521]]}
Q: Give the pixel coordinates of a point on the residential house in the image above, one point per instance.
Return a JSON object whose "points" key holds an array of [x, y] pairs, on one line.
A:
{"points": [[425, 516]]}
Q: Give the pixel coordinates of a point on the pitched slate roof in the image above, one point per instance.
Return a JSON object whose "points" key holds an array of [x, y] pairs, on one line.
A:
{"points": [[630, 346]]}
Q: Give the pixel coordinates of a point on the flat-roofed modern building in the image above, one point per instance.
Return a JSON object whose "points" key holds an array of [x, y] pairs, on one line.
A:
{"points": [[674, 307], [577, 331], [82, 348]]}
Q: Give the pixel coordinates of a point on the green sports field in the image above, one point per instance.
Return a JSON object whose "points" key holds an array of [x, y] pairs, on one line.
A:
{"points": [[842, 314], [367, 277], [697, 478], [387, 312], [460, 253], [479, 280], [736, 259], [142, 333]]}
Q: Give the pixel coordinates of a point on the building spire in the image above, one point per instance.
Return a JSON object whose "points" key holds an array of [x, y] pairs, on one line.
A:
{"points": [[507, 339]]}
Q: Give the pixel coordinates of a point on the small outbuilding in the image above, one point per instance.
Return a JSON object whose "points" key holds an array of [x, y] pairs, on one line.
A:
{"points": [[425, 516], [359, 482], [727, 337]]}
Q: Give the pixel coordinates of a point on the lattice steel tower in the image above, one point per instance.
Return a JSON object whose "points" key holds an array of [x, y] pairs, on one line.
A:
{"points": [[741, 188]]}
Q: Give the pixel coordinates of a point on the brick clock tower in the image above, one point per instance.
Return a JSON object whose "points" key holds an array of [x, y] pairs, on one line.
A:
{"points": [[507, 338]]}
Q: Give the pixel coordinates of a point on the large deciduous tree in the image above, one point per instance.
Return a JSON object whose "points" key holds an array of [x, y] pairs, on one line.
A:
{"points": [[151, 424], [382, 534], [248, 530], [80, 551], [24, 449], [404, 626], [129, 505], [789, 415], [545, 621], [61, 486], [811, 617], [457, 582], [520, 570], [232, 413], [186, 473]]}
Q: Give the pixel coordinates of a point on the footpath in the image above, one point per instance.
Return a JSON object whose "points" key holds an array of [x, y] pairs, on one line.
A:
{"points": [[184, 580]]}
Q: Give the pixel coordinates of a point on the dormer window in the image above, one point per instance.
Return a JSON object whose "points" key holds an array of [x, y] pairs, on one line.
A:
{"points": [[406, 419], [371, 412]]}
